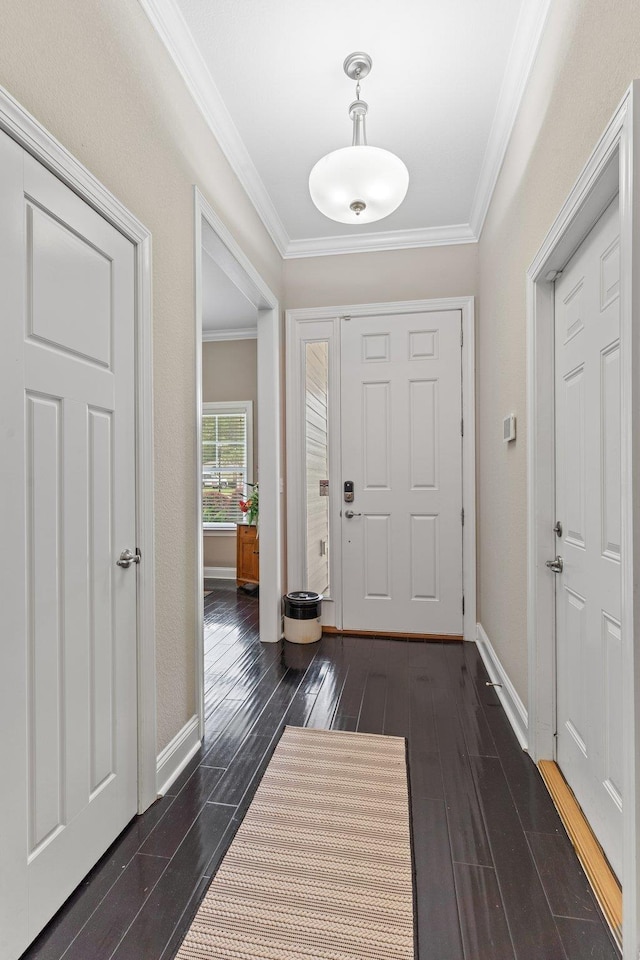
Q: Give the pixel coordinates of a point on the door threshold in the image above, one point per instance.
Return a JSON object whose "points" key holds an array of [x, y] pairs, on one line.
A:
{"points": [[453, 637], [603, 880]]}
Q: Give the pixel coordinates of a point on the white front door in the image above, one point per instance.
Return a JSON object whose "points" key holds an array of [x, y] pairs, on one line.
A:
{"points": [[68, 704], [401, 403], [588, 477]]}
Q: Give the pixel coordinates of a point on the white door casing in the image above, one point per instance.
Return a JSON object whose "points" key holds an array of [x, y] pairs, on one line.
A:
{"points": [[588, 492], [67, 409], [401, 415], [322, 324]]}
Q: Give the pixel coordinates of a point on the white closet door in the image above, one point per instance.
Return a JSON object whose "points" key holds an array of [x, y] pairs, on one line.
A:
{"points": [[67, 470], [402, 449], [588, 478]]}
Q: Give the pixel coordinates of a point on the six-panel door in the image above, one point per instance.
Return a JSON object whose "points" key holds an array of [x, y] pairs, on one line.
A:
{"points": [[68, 660], [401, 399], [588, 477]]}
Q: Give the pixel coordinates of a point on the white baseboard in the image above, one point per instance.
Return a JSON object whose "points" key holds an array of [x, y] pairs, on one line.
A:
{"points": [[176, 755], [507, 693], [220, 573]]}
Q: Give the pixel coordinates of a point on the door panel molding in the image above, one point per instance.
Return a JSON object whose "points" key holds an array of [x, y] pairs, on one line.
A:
{"points": [[25, 130], [324, 323], [614, 167]]}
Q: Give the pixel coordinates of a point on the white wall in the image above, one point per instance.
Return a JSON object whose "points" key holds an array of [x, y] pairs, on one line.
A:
{"points": [[418, 274], [590, 52], [97, 76]]}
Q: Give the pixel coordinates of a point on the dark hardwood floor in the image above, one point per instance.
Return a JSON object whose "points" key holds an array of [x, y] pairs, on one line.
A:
{"points": [[496, 876]]}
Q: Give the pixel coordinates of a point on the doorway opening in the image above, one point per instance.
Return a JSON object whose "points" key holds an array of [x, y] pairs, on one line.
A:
{"points": [[237, 427], [362, 382]]}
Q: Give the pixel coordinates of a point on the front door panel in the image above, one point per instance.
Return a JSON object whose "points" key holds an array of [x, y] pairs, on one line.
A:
{"points": [[401, 398]]}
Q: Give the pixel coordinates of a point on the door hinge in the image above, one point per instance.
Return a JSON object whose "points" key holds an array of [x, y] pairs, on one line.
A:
{"points": [[463, 606], [462, 427], [552, 276], [462, 516]]}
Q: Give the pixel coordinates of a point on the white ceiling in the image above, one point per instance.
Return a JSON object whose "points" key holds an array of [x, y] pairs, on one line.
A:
{"points": [[446, 82], [226, 312]]}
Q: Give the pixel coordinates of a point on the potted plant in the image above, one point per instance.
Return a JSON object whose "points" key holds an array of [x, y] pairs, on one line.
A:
{"points": [[250, 506]]}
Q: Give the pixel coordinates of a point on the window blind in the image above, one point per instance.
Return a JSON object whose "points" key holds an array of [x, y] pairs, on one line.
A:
{"points": [[224, 466]]}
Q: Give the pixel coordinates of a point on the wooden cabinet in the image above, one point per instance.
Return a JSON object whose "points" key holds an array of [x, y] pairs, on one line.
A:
{"points": [[247, 557]]}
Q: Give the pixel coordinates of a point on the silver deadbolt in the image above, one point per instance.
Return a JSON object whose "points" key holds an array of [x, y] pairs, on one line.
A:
{"points": [[349, 514], [127, 558], [556, 565]]}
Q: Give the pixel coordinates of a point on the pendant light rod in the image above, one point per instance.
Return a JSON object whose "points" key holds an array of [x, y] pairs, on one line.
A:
{"points": [[358, 113], [357, 66]]}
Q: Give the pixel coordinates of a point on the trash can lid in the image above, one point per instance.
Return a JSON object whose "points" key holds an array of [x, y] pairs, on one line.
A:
{"points": [[303, 596]]}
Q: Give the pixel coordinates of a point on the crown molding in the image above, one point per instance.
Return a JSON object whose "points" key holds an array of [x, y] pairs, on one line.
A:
{"points": [[524, 48], [168, 21], [384, 240], [250, 333]]}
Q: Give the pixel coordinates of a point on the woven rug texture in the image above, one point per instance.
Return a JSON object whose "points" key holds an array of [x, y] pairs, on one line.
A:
{"points": [[320, 868]]}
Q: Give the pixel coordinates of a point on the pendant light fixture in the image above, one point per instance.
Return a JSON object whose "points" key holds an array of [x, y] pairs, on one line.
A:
{"points": [[358, 184]]}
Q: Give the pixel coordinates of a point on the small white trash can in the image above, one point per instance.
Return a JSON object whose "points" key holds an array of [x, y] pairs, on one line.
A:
{"points": [[302, 616]]}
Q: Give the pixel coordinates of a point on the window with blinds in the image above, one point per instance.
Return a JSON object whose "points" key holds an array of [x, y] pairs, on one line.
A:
{"points": [[227, 434]]}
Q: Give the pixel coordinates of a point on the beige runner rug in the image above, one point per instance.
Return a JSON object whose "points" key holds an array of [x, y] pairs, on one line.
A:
{"points": [[320, 868]]}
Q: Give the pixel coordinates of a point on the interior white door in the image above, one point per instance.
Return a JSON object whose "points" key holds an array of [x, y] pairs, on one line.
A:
{"points": [[68, 711], [401, 401], [588, 478]]}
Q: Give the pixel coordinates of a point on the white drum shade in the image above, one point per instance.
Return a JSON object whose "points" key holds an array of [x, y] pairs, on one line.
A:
{"points": [[370, 175]]}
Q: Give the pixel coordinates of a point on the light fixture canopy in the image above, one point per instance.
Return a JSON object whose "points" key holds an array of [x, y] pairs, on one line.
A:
{"points": [[358, 184]]}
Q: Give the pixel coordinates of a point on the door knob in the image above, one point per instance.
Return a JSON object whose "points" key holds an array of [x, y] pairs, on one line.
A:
{"points": [[557, 564], [127, 558], [349, 514]]}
